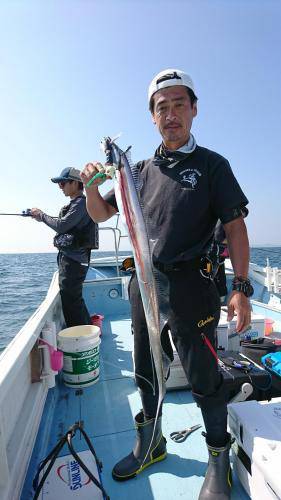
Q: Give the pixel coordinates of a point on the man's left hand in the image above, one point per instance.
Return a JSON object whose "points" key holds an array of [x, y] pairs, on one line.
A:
{"points": [[240, 304], [36, 214]]}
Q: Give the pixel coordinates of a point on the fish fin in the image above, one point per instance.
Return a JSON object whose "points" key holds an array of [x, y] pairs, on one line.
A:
{"points": [[136, 178]]}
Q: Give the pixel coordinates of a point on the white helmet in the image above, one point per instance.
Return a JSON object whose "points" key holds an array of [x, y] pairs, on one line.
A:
{"points": [[168, 78]]}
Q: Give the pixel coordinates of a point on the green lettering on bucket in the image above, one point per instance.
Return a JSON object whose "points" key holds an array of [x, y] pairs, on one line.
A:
{"points": [[80, 366], [83, 354]]}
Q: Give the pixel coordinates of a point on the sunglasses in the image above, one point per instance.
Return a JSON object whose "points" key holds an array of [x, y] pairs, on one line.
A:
{"points": [[63, 183]]}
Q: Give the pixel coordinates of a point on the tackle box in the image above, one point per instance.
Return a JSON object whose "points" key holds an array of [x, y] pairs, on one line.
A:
{"points": [[256, 452], [234, 377], [228, 339], [272, 362]]}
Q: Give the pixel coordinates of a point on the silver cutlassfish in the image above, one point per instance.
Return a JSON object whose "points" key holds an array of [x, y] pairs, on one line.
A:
{"points": [[129, 206]]}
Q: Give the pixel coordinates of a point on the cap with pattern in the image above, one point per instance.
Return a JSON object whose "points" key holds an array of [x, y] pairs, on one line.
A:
{"points": [[169, 78], [68, 174]]}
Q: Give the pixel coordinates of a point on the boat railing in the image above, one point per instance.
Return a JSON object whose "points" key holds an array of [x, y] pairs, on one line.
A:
{"points": [[20, 396], [273, 278], [117, 236], [16, 352], [268, 276]]}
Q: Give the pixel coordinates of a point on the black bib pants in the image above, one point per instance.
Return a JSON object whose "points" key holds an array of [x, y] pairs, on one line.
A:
{"points": [[195, 312], [71, 278]]}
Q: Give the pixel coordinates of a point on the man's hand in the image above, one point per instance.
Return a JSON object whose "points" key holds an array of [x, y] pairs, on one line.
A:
{"points": [[89, 171], [240, 304], [36, 214]]}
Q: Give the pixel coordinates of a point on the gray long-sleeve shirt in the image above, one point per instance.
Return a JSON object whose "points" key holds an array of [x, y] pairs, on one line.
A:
{"points": [[76, 217]]}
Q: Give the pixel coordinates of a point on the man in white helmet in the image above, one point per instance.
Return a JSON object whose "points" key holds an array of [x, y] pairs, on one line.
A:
{"points": [[186, 189]]}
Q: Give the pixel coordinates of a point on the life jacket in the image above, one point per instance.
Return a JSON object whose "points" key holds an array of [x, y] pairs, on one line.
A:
{"points": [[78, 238]]}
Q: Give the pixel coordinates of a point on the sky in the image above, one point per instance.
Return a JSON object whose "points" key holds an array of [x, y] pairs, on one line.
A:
{"points": [[75, 71]]}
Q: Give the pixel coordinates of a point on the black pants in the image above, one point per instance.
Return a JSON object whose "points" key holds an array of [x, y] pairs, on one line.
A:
{"points": [[194, 315], [71, 278]]}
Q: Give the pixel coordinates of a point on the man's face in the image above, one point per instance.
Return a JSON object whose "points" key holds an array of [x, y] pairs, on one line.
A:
{"points": [[69, 188], [173, 115]]}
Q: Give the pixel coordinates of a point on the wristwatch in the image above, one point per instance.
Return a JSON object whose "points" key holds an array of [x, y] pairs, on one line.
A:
{"points": [[242, 285]]}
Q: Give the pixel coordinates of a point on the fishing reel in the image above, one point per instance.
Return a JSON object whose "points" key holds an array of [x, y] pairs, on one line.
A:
{"points": [[26, 212]]}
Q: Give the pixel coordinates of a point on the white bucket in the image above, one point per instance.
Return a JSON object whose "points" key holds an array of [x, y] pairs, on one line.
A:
{"points": [[81, 361]]}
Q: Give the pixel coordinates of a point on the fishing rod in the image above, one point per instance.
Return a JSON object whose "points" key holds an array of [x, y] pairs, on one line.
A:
{"points": [[24, 213]]}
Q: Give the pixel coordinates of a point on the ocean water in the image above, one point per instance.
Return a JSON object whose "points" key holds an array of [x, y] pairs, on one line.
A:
{"points": [[25, 279]]}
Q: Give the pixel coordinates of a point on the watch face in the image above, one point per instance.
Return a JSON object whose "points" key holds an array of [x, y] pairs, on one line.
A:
{"points": [[244, 287]]}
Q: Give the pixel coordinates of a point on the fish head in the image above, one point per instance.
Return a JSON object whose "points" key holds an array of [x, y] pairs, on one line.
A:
{"points": [[106, 147], [112, 152]]}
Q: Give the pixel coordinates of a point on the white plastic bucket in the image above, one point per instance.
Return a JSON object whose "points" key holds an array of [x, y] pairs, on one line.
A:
{"points": [[81, 361]]}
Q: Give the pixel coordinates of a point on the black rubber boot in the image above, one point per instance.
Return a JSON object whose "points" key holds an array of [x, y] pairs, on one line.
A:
{"points": [[218, 479], [134, 463]]}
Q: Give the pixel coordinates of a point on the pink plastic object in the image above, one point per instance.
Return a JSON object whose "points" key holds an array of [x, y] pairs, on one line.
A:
{"points": [[276, 341], [56, 357], [268, 326], [97, 321], [225, 253]]}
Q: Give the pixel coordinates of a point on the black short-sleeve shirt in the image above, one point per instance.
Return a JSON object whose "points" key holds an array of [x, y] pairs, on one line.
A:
{"points": [[184, 203]]}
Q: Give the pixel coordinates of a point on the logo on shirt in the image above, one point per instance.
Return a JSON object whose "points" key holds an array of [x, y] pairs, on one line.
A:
{"points": [[190, 176]]}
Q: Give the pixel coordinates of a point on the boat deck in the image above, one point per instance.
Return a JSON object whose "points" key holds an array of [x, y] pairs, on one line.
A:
{"points": [[107, 409]]}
